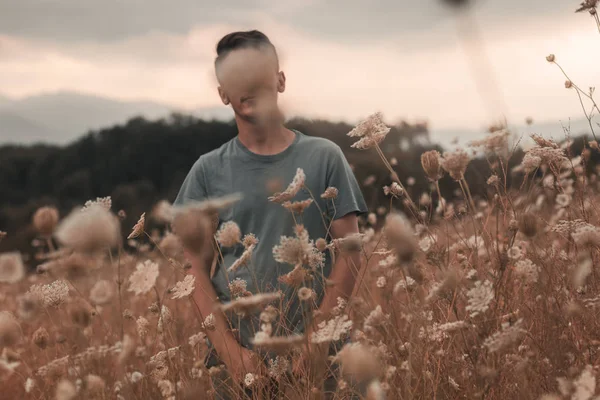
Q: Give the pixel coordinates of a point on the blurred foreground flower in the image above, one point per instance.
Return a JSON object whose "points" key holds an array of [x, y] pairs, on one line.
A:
{"points": [[12, 269], [94, 229]]}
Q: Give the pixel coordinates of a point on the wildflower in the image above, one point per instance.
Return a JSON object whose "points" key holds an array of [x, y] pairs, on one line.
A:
{"points": [[194, 228], [550, 58], [136, 377], [166, 387], [494, 142], [394, 189], [404, 284], [246, 305], [94, 229], [528, 224], [587, 236], [144, 277], [568, 84], [359, 362], [45, 220], [278, 367], [229, 234], [426, 243], [330, 193], [102, 292], [12, 269], [372, 218], [249, 240], [505, 337], [585, 384], [10, 331], [94, 384], [29, 385], [305, 294], [297, 207], [102, 202], [277, 344], [237, 287], [455, 163], [375, 319], [321, 244], [332, 330], [430, 161], [381, 282], [298, 250], [244, 259], [530, 163], [400, 237], [563, 200], [479, 298], [209, 322], [51, 295], [184, 288], [292, 189], [527, 270], [138, 229], [514, 253], [372, 131], [142, 327], [581, 272], [249, 380], [65, 390], [493, 180]]}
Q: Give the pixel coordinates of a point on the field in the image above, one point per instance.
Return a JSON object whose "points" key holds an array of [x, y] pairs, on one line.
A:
{"points": [[478, 297]]}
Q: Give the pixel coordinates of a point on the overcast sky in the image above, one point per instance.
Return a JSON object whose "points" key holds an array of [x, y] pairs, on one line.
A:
{"points": [[411, 59]]}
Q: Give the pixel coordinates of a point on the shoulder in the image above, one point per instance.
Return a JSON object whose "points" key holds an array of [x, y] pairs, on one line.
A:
{"points": [[214, 157], [320, 145]]}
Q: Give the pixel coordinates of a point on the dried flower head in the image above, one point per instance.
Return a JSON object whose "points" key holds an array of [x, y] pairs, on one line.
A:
{"points": [[296, 250], [394, 189], [12, 269], [102, 292], [359, 362], [10, 331], [41, 338], [527, 270], [94, 229], [400, 237], [209, 322], [194, 227], [305, 294], [568, 84], [479, 298], [238, 288], [455, 163], [495, 142], [65, 390], [102, 202], [292, 189], [142, 326], [51, 295], [249, 240], [244, 259], [250, 304], [505, 337], [144, 277], [183, 288], [45, 220], [430, 161], [329, 193], [550, 58], [138, 228], [94, 384], [296, 277], [332, 330], [372, 131], [528, 224], [297, 207], [229, 234], [277, 344]]}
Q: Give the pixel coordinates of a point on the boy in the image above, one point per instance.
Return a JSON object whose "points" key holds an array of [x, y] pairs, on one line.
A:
{"points": [[264, 152]]}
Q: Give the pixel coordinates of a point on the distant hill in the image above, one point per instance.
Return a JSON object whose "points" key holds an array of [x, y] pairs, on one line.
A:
{"points": [[61, 117]]}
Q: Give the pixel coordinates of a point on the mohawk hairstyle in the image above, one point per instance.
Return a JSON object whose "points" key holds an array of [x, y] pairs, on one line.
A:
{"points": [[242, 40]]}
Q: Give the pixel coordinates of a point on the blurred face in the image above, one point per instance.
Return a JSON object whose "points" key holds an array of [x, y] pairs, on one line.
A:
{"points": [[250, 81]]}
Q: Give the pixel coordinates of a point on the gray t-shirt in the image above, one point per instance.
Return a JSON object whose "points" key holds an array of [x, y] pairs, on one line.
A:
{"points": [[233, 168]]}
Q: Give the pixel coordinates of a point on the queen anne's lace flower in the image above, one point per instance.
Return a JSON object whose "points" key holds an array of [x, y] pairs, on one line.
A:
{"points": [[479, 298], [184, 288], [144, 277]]}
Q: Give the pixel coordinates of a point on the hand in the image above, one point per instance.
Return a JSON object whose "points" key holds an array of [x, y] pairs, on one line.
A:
{"points": [[245, 362]]}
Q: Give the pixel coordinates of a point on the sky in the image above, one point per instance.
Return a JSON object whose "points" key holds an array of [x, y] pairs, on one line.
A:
{"points": [[410, 59]]}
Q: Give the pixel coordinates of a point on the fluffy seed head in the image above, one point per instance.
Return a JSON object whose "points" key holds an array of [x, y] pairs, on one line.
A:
{"points": [[430, 161], [41, 338], [45, 220], [93, 229]]}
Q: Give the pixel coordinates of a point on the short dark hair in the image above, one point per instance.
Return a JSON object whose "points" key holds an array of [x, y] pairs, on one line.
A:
{"points": [[242, 40]]}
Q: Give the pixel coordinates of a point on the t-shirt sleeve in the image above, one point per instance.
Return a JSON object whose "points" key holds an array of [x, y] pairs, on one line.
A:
{"points": [[340, 175], [193, 187]]}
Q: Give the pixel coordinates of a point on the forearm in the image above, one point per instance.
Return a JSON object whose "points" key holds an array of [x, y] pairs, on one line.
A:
{"points": [[342, 279], [206, 298]]}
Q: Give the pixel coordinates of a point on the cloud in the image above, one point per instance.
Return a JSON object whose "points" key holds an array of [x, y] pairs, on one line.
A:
{"points": [[411, 76]]}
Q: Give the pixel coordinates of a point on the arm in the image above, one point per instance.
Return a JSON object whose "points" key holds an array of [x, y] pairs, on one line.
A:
{"points": [[238, 359], [346, 267]]}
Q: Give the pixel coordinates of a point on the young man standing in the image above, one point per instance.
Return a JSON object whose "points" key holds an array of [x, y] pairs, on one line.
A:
{"points": [[264, 152]]}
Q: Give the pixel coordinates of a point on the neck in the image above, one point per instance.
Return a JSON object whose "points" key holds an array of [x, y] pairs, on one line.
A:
{"points": [[264, 139]]}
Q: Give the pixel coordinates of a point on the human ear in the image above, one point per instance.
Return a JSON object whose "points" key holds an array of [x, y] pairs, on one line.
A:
{"points": [[223, 96], [281, 82]]}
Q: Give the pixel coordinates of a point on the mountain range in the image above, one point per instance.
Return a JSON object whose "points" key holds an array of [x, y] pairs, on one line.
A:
{"points": [[61, 117]]}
